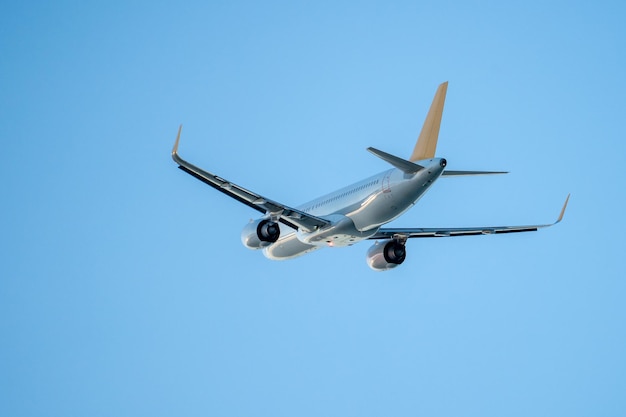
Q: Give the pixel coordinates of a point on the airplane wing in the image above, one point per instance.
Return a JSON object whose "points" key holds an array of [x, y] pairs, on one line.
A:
{"points": [[403, 234], [291, 217]]}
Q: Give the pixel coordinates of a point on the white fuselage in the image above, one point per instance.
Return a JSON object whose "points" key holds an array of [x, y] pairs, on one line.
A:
{"points": [[357, 211]]}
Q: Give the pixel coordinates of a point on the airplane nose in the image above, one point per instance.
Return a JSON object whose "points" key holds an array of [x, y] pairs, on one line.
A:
{"points": [[443, 162]]}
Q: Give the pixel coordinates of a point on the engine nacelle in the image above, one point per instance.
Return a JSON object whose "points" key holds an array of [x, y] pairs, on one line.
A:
{"points": [[260, 233], [386, 255]]}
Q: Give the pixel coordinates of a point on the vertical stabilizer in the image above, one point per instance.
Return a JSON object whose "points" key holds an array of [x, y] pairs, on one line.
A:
{"points": [[427, 141]]}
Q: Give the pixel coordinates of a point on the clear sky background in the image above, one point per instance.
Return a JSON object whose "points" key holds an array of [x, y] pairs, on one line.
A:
{"points": [[125, 290]]}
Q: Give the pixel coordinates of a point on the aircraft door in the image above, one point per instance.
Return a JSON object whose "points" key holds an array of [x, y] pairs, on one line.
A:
{"points": [[386, 185]]}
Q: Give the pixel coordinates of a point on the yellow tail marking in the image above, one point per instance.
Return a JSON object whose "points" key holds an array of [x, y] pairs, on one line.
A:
{"points": [[427, 140]]}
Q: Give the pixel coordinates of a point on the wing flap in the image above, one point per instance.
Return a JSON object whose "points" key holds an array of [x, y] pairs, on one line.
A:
{"points": [[388, 233]]}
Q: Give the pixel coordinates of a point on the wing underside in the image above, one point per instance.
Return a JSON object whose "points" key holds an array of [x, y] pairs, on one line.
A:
{"points": [[287, 215], [407, 233]]}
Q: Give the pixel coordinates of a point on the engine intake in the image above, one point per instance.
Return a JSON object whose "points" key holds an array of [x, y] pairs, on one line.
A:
{"points": [[386, 255], [259, 234]]}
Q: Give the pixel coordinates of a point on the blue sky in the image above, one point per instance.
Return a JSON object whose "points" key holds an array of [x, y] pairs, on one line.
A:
{"points": [[126, 291]]}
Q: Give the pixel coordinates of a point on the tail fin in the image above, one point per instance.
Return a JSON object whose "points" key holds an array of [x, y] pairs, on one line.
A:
{"points": [[427, 141]]}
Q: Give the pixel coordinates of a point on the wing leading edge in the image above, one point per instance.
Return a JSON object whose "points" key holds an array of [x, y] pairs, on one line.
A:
{"points": [[291, 217], [406, 233]]}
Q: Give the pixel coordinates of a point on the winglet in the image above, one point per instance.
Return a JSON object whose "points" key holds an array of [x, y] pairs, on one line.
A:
{"points": [[427, 140], [175, 148], [563, 210]]}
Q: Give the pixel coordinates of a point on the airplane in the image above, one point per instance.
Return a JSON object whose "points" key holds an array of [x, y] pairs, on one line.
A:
{"points": [[359, 211]]}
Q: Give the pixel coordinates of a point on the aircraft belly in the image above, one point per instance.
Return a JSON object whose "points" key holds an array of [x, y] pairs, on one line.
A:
{"points": [[342, 232], [287, 247]]}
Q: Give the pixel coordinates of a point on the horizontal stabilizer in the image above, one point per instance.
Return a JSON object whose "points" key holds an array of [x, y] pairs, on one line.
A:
{"points": [[407, 167], [449, 173]]}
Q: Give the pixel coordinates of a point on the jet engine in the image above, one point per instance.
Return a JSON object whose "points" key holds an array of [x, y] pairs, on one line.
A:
{"points": [[260, 233], [386, 255]]}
